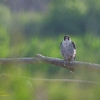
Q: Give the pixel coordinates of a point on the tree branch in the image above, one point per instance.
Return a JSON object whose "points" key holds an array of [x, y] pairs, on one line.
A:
{"points": [[54, 61]]}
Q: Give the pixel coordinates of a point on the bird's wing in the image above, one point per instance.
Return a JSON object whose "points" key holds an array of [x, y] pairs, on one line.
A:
{"points": [[74, 46]]}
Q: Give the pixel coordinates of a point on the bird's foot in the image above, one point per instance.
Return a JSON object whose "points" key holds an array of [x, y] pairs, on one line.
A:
{"points": [[64, 63], [70, 62]]}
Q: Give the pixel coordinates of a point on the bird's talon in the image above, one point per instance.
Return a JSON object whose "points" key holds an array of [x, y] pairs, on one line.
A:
{"points": [[64, 63]]}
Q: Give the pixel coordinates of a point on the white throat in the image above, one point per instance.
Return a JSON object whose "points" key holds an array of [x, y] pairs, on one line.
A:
{"points": [[66, 43]]}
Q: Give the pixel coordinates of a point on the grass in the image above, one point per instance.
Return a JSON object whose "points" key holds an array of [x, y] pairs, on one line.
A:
{"points": [[88, 50]]}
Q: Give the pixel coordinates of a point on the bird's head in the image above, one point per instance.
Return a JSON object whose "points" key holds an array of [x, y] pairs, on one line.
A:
{"points": [[67, 38]]}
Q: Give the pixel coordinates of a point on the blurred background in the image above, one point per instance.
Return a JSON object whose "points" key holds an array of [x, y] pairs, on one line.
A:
{"points": [[30, 27]]}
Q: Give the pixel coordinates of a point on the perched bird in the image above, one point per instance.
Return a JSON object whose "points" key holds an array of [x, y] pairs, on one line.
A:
{"points": [[68, 50]]}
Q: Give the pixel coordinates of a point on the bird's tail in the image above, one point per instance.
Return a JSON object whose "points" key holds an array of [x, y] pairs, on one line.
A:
{"points": [[72, 70]]}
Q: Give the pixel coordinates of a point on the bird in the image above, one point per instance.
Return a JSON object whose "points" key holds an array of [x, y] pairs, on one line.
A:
{"points": [[68, 50]]}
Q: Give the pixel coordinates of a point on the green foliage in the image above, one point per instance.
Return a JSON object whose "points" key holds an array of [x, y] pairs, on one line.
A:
{"points": [[66, 16], [5, 16], [18, 88], [25, 34], [73, 17], [4, 43]]}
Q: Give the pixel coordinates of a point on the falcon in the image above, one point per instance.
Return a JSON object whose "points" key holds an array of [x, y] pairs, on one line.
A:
{"points": [[68, 50]]}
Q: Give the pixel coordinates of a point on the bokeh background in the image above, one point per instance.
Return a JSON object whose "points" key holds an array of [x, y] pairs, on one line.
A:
{"points": [[30, 27]]}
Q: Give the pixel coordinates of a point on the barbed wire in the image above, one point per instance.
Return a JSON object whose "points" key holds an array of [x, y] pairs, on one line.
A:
{"points": [[52, 80]]}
